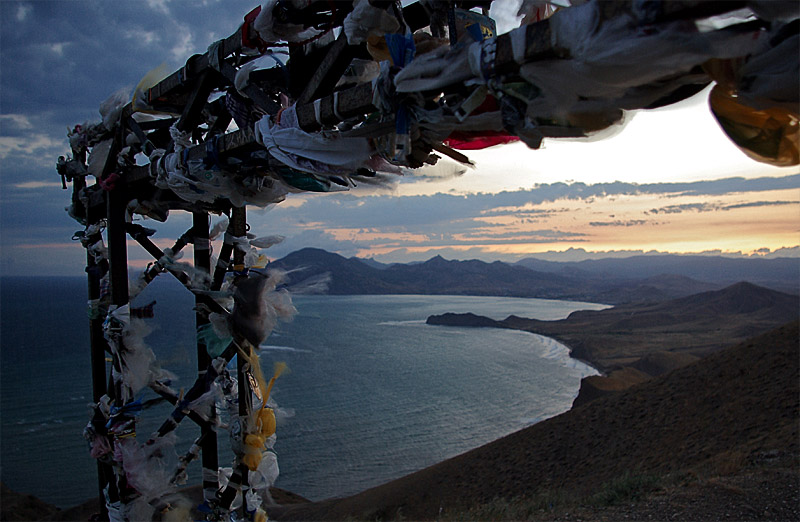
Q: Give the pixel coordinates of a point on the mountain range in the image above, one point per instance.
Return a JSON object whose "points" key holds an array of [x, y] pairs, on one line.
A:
{"points": [[613, 281]]}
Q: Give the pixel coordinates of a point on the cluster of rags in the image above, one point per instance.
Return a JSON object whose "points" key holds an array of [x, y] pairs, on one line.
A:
{"points": [[319, 96]]}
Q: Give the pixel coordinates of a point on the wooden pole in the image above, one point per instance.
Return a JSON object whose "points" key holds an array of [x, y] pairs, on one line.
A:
{"points": [[238, 227], [118, 273], [208, 442], [98, 360], [97, 342]]}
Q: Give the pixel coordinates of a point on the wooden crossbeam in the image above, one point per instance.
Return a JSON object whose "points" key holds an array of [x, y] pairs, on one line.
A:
{"points": [[329, 71], [179, 82]]}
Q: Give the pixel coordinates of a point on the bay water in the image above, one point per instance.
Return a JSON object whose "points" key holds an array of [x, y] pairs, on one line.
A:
{"points": [[373, 393]]}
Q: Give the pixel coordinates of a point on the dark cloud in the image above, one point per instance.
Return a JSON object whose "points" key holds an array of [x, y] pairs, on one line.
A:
{"points": [[63, 58], [618, 223], [712, 207], [686, 207], [759, 204], [527, 236], [59, 61], [449, 212], [526, 213], [581, 254]]}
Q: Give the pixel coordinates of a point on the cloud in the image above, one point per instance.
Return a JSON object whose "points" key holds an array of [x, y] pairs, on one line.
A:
{"points": [[184, 46], [490, 236], [37, 185], [581, 254], [95, 61], [41, 146], [618, 223], [783, 252], [23, 10], [15, 122], [677, 209], [753, 204], [349, 210], [316, 239], [712, 206], [159, 6]]}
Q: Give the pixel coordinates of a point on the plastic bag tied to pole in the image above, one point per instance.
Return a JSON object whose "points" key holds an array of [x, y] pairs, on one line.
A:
{"points": [[620, 64], [316, 153], [259, 304], [271, 30], [757, 99], [366, 21], [138, 366]]}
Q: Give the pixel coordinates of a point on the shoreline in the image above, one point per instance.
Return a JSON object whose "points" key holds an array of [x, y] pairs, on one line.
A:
{"points": [[600, 373]]}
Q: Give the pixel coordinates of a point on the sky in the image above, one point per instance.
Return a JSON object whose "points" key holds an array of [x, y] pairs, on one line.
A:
{"points": [[669, 181]]}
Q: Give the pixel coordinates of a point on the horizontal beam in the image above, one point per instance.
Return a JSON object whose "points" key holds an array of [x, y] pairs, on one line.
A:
{"points": [[180, 81]]}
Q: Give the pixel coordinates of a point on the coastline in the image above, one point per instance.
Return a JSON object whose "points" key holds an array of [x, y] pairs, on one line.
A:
{"points": [[694, 449], [590, 364]]}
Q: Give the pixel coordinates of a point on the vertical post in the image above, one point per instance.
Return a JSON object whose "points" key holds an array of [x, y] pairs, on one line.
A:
{"points": [[116, 208], [222, 262], [98, 360], [117, 257], [202, 261], [238, 227], [97, 342]]}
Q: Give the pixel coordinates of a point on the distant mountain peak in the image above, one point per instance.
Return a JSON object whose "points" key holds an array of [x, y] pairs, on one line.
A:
{"points": [[437, 260]]}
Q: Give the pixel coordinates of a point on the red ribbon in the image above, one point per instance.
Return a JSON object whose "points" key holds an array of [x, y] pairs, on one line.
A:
{"points": [[257, 42], [110, 182]]}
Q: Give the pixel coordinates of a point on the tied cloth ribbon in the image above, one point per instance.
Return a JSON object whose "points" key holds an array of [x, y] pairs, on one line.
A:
{"points": [[109, 183], [402, 51], [264, 419]]}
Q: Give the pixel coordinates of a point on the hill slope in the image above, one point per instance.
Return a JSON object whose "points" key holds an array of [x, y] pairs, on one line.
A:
{"points": [[698, 324]]}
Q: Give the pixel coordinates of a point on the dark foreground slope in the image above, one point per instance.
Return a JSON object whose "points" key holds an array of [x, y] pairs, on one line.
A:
{"points": [[728, 413], [18, 507]]}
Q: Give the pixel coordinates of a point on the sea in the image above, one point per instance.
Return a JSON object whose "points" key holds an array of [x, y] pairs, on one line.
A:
{"points": [[373, 393]]}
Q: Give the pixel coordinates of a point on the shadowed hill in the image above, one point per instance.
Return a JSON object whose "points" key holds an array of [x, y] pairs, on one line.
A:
{"points": [[435, 276], [728, 410], [347, 276], [698, 324]]}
